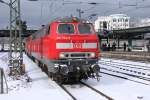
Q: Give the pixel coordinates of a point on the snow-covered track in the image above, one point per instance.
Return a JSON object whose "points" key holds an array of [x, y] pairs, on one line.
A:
{"points": [[62, 86], [97, 91], [82, 91], [118, 76], [128, 72], [143, 67]]}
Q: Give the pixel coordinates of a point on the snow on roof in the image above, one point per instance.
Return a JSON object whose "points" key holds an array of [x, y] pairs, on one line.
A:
{"points": [[118, 15]]}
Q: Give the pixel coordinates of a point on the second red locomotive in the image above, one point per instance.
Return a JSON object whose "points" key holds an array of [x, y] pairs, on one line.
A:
{"points": [[67, 49]]}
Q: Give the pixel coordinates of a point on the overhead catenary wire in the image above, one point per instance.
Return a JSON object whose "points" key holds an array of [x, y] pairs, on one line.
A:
{"points": [[116, 7], [124, 5]]}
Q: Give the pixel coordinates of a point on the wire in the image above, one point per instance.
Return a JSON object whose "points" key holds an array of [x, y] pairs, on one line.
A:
{"points": [[146, 6], [53, 9], [80, 2]]}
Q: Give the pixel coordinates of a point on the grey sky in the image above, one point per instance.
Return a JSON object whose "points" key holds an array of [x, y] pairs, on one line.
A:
{"points": [[43, 11]]}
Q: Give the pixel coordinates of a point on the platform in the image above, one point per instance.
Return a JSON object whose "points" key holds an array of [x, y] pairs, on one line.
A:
{"points": [[135, 56]]}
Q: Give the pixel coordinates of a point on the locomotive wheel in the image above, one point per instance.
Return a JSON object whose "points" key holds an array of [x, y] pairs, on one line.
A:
{"points": [[33, 59], [42, 67], [46, 69], [57, 78], [50, 74], [39, 64]]}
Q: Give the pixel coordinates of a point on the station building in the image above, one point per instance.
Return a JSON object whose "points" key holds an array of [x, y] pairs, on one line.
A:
{"points": [[120, 22], [112, 22]]}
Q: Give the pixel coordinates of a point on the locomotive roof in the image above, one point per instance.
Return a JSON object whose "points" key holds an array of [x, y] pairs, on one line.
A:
{"points": [[66, 19], [70, 19]]}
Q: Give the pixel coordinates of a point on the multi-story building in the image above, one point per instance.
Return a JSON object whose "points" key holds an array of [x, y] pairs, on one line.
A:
{"points": [[112, 22]]}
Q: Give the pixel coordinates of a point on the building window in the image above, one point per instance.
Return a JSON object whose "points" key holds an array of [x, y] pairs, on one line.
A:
{"points": [[105, 24], [126, 20], [114, 20]]}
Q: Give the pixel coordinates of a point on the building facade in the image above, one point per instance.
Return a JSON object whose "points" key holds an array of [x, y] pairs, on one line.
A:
{"points": [[112, 22]]}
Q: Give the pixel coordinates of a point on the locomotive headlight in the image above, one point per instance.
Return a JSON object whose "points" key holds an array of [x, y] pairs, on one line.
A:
{"points": [[62, 55], [92, 54]]}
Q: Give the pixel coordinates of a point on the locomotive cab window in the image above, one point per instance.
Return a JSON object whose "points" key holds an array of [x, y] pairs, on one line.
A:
{"points": [[66, 29], [85, 28]]}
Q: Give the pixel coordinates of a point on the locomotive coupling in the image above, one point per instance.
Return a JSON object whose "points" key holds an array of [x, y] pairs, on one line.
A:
{"points": [[95, 68]]}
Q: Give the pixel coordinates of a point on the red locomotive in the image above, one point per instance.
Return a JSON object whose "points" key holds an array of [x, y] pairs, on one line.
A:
{"points": [[66, 49]]}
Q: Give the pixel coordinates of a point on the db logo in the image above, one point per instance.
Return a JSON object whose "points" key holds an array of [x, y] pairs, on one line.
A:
{"points": [[77, 45]]}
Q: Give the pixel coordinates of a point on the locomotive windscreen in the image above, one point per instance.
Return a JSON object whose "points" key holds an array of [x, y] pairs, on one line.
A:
{"points": [[85, 28], [66, 28]]}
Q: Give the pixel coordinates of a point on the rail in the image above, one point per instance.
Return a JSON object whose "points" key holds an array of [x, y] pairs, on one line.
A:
{"points": [[99, 92], [73, 98], [126, 72]]}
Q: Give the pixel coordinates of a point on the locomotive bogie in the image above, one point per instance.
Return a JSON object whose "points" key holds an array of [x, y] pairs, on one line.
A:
{"points": [[83, 69]]}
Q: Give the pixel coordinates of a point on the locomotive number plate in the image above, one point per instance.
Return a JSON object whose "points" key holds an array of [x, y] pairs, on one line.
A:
{"points": [[77, 45]]}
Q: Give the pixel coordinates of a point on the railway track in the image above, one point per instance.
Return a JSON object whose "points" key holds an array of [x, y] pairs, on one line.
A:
{"points": [[128, 74], [122, 77], [72, 95], [128, 65], [126, 71], [129, 70], [97, 91]]}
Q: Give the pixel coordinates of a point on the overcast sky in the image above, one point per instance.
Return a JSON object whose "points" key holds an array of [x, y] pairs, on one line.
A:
{"points": [[43, 11]]}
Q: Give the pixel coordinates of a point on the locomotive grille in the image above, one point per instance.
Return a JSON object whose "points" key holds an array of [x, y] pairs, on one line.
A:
{"points": [[77, 55]]}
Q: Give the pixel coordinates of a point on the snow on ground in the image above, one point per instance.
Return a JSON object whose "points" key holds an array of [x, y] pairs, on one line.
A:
{"points": [[120, 89], [79, 92], [142, 63], [130, 67], [41, 87]]}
